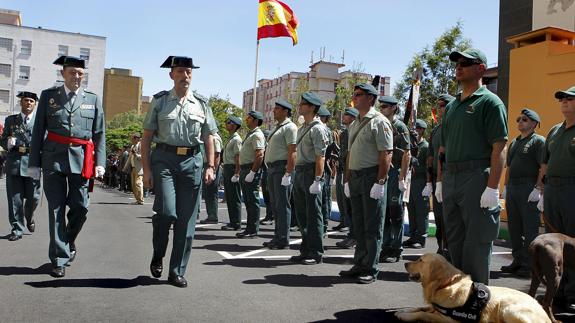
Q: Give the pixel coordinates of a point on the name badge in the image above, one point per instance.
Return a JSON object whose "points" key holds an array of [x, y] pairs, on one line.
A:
{"points": [[87, 107]]}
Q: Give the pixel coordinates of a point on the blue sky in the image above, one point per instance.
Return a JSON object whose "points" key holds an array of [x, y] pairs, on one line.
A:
{"points": [[220, 36]]}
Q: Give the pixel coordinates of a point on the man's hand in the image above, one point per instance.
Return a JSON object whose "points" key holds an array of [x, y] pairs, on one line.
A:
{"points": [[11, 142], [402, 185], [286, 179], [100, 170], [250, 177], [489, 198], [235, 178], [148, 179], [540, 204], [427, 190], [439, 192], [377, 191], [534, 196], [346, 190], [315, 188], [34, 172], [209, 175]]}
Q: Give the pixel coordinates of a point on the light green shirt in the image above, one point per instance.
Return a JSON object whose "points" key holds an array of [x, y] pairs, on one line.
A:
{"points": [[232, 149], [183, 123], [374, 137], [217, 145], [255, 140], [559, 151], [312, 142], [285, 134]]}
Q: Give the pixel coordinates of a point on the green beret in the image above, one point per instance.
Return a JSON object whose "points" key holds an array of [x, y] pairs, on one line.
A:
{"points": [[531, 114], [470, 53], [566, 93], [284, 104], [446, 98], [368, 88], [235, 120], [420, 124], [312, 98], [351, 112], [256, 115], [388, 100], [266, 133], [323, 112]]}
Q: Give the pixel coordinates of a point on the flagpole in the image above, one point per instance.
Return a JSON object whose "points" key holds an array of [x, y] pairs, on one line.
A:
{"points": [[256, 76]]}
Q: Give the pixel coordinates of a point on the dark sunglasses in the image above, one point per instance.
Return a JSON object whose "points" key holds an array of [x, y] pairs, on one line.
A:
{"points": [[357, 94], [524, 119], [467, 62]]}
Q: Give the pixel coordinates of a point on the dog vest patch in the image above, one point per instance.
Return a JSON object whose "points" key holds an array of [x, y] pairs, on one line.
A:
{"points": [[471, 310]]}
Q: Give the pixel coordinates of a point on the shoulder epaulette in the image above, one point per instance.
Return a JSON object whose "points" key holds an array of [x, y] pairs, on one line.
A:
{"points": [[200, 97], [160, 94], [88, 91], [55, 87]]}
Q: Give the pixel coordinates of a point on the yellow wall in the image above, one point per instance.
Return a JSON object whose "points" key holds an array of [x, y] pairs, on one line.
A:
{"points": [[122, 93]]}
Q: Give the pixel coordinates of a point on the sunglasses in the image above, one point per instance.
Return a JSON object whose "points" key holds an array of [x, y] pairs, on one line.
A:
{"points": [[567, 98], [524, 119], [467, 62]]}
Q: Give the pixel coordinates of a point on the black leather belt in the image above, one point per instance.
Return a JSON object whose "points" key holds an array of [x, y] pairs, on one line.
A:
{"points": [[522, 180], [556, 180], [364, 171], [277, 163], [305, 167], [180, 151], [467, 165], [246, 166]]}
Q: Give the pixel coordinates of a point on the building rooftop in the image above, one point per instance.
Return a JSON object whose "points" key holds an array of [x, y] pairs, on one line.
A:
{"points": [[10, 17]]}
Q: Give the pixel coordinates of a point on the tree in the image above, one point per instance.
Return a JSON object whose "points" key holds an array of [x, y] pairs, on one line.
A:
{"points": [[222, 109], [120, 129], [293, 96], [437, 71]]}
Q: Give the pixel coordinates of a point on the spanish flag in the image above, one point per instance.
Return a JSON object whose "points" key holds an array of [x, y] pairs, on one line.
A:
{"points": [[276, 19]]}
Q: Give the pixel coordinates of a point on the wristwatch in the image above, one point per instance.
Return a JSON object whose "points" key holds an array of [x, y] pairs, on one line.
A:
{"points": [[318, 178], [382, 181]]}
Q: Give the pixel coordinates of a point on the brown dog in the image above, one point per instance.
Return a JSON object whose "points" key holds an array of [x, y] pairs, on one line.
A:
{"points": [[448, 287], [550, 253]]}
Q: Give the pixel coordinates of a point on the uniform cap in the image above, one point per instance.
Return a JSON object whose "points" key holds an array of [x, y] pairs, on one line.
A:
{"points": [[25, 94], [470, 53], [178, 61], [368, 88], [566, 93], [323, 112], [311, 98], [420, 124], [531, 114], [256, 115], [388, 100], [235, 120], [70, 61], [351, 112], [284, 104]]}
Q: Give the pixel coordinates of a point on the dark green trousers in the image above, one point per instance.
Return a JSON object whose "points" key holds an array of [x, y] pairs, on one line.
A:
{"points": [[560, 214], [393, 221], [280, 201], [523, 218], [308, 209], [177, 186], [418, 211], [326, 199], [251, 194], [343, 204], [367, 218], [266, 194], [64, 190], [233, 196], [210, 195], [23, 196], [470, 229], [439, 222]]}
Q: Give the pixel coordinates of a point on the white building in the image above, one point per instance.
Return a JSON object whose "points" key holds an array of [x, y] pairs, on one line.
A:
{"points": [[27, 54]]}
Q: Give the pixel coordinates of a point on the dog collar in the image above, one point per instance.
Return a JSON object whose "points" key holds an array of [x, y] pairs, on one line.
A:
{"points": [[471, 310]]}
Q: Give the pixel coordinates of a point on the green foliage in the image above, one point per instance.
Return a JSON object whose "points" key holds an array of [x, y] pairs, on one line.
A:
{"points": [[343, 95], [120, 128], [438, 75], [222, 109]]}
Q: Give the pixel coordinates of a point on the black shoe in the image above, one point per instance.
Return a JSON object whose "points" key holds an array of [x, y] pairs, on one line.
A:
{"points": [[13, 237], [266, 222], [246, 235], [352, 273], [278, 246], [511, 268], [178, 281], [268, 243], [366, 279], [156, 267], [408, 243], [58, 272], [347, 243], [417, 245], [208, 221], [570, 306], [312, 261], [72, 252], [230, 227], [391, 258], [31, 226], [340, 227], [298, 258], [294, 228]]}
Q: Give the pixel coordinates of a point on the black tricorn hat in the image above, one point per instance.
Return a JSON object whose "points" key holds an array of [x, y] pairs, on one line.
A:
{"points": [[178, 61], [25, 94], [70, 61]]}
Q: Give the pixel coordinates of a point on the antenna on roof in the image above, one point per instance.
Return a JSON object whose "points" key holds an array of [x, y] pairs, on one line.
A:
{"points": [[343, 56], [311, 61]]}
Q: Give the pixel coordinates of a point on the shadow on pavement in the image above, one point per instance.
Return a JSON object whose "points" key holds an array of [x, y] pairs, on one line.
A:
{"points": [[209, 237], [395, 276], [252, 263], [228, 247], [299, 280], [364, 315], [42, 270], [117, 283]]}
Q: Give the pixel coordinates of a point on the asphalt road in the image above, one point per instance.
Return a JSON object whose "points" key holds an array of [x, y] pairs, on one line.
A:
{"points": [[230, 280]]}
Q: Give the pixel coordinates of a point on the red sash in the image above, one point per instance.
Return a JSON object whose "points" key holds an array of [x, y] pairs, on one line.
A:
{"points": [[88, 166]]}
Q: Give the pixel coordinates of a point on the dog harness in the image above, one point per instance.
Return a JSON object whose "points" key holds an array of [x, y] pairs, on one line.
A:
{"points": [[471, 310]]}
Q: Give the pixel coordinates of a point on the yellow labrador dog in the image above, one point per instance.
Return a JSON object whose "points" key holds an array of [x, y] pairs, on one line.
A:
{"points": [[447, 290]]}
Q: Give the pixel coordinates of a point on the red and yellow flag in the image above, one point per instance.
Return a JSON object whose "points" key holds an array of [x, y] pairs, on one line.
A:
{"points": [[276, 19]]}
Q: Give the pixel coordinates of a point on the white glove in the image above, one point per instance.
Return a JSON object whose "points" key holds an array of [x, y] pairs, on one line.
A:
{"points": [[540, 204], [250, 177], [534, 196], [11, 142], [489, 198], [377, 191], [504, 193], [439, 192], [286, 180], [346, 190], [427, 190], [402, 185], [332, 181], [315, 188], [235, 178], [100, 170], [34, 172]]}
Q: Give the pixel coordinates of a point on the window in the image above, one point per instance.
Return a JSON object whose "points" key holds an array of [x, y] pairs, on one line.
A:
{"points": [[6, 43], [4, 101], [6, 70], [85, 81], [26, 47], [62, 50], [85, 53], [59, 77], [24, 72]]}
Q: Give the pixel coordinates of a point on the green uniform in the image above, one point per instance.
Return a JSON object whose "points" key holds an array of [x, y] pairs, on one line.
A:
{"points": [[255, 140], [523, 162], [559, 155], [418, 206], [81, 117], [23, 192], [284, 134], [180, 128], [312, 141], [469, 129], [231, 189], [368, 136], [326, 189], [433, 151], [343, 202], [210, 191], [393, 226]]}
